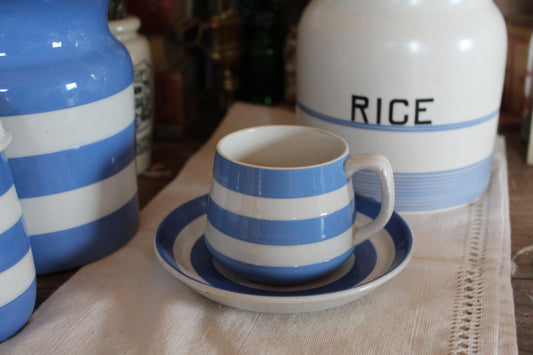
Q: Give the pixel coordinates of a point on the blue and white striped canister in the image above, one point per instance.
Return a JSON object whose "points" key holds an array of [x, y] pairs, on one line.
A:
{"points": [[67, 97], [17, 271]]}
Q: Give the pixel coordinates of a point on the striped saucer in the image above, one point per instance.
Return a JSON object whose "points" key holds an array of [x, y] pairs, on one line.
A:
{"points": [[180, 246]]}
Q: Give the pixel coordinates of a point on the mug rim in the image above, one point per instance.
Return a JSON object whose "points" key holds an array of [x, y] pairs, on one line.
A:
{"points": [[345, 146]]}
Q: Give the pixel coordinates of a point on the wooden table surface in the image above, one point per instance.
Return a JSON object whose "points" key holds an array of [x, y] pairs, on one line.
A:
{"points": [[170, 156]]}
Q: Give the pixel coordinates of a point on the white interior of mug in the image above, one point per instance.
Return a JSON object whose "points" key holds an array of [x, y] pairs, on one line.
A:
{"points": [[282, 147]]}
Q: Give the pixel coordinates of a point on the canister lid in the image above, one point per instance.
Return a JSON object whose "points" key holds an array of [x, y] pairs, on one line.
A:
{"points": [[5, 138]]}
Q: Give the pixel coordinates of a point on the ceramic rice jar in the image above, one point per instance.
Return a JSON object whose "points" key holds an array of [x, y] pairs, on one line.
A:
{"points": [[417, 81]]}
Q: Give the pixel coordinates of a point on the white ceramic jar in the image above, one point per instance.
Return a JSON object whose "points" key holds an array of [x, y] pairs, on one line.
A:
{"points": [[419, 81], [125, 30]]}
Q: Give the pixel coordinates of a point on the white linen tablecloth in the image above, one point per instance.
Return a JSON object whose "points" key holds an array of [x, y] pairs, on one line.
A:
{"points": [[455, 295]]}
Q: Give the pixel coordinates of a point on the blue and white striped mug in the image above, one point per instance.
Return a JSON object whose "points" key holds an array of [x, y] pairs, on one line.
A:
{"points": [[281, 208], [17, 270]]}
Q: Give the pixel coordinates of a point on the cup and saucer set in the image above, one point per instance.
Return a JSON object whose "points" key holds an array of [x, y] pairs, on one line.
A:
{"points": [[281, 229]]}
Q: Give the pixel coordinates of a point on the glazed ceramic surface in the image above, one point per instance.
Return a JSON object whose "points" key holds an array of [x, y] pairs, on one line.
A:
{"points": [[180, 246], [17, 270], [417, 81], [281, 208], [125, 31], [67, 97]]}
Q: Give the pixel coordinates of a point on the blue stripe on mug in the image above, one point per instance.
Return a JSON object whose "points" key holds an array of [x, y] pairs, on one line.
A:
{"points": [[272, 232], [399, 128], [74, 168], [73, 247], [6, 180], [278, 275], [279, 183], [431, 191], [14, 245], [16, 313]]}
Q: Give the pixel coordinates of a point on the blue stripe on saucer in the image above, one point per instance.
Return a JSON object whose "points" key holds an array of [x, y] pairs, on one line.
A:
{"points": [[283, 183], [273, 232], [71, 169], [396, 227], [77, 246], [278, 275], [6, 180], [14, 245], [17, 312], [365, 256], [175, 222]]}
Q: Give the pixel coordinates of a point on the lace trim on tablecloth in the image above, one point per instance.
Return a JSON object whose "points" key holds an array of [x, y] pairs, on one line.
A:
{"points": [[464, 337]]}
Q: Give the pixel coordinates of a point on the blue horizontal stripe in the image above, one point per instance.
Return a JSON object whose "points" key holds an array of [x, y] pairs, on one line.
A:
{"points": [[365, 254], [397, 228], [279, 274], [282, 183], [431, 191], [77, 246], [175, 222], [445, 180], [274, 232], [17, 312], [47, 174], [6, 179], [14, 245], [44, 88], [399, 128]]}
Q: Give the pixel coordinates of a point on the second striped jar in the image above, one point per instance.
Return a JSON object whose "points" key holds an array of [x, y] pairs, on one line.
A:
{"points": [[18, 285]]}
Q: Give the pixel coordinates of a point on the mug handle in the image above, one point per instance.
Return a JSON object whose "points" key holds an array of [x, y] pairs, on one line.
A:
{"points": [[381, 166]]}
